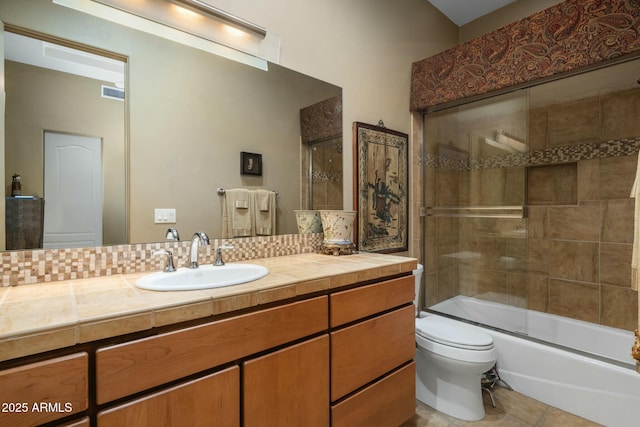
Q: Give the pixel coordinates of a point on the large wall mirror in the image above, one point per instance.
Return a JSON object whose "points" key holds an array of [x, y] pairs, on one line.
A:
{"points": [[175, 138]]}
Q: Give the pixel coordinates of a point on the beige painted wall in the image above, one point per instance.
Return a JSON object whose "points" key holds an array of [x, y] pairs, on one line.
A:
{"points": [[186, 139], [39, 99], [189, 121], [365, 47], [503, 16]]}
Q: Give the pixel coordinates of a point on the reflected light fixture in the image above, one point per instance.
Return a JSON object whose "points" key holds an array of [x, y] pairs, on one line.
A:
{"points": [[225, 16], [507, 142], [191, 22], [498, 145], [511, 141]]}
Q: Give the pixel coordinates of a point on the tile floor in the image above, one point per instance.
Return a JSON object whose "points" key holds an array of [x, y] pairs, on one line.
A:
{"points": [[512, 410]]}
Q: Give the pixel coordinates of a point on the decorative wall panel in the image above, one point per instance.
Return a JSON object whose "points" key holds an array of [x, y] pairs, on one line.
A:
{"points": [[566, 37], [322, 120]]}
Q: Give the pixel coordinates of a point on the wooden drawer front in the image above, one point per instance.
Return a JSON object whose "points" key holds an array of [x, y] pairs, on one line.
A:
{"points": [[83, 422], [131, 367], [44, 391], [386, 403], [367, 350], [354, 304], [289, 387], [212, 401]]}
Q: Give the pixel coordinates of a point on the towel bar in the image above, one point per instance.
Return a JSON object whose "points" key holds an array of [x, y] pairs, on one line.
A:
{"points": [[221, 191], [476, 211]]}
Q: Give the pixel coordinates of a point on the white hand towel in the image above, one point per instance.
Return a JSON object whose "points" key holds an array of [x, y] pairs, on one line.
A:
{"points": [[237, 213], [263, 200], [264, 206]]}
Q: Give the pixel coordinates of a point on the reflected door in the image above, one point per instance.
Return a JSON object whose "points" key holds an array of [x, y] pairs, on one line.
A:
{"points": [[72, 191]]}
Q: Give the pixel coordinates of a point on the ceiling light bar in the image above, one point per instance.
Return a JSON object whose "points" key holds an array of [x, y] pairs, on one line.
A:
{"points": [[164, 18], [225, 16]]}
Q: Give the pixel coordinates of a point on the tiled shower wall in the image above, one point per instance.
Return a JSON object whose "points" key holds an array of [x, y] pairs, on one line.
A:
{"points": [[571, 253]]}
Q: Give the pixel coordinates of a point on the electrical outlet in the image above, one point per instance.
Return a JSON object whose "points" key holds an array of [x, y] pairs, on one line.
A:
{"points": [[165, 216]]}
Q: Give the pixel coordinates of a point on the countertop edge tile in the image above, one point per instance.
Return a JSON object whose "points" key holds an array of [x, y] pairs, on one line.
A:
{"points": [[182, 313], [25, 345], [107, 328], [235, 302]]}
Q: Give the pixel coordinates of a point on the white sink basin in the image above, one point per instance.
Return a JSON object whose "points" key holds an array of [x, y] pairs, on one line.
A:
{"points": [[203, 277]]}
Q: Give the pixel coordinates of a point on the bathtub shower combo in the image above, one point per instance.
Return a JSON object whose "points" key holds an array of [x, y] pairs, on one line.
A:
{"points": [[528, 227]]}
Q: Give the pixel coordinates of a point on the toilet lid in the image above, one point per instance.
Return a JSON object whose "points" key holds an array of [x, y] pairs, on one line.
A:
{"points": [[453, 333]]}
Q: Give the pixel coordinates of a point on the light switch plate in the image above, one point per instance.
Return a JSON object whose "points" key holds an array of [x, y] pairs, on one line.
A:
{"points": [[165, 216]]}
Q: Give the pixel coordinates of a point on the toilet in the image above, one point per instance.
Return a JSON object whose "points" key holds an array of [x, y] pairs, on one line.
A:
{"points": [[451, 357]]}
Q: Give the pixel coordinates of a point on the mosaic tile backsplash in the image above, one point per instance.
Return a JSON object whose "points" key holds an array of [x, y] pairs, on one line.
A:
{"points": [[50, 265]]}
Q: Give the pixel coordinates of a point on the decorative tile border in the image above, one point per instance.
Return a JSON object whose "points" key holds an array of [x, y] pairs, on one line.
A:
{"points": [[50, 265], [323, 176], [548, 156], [571, 35]]}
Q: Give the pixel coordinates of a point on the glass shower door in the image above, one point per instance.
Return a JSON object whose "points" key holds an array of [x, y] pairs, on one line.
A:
{"points": [[476, 231], [325, 174]]}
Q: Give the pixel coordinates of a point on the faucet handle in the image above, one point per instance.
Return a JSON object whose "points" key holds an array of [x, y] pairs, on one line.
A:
{"points": [[219, 261], [168, 266]]}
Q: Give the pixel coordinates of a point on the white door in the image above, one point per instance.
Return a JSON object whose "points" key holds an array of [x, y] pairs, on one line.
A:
{"points": [[72, 191]]}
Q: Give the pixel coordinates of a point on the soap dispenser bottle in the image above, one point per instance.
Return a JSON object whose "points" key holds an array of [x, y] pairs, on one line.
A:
{"points": [[16, 186]]}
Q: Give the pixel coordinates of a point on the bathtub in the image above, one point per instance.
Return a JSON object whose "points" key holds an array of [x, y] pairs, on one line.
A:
{"points": [[576, 366]]}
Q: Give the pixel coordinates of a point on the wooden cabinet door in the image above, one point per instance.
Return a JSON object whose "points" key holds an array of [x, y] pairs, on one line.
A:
{"points": [[289, 387], [212, 401], [44, 391]]}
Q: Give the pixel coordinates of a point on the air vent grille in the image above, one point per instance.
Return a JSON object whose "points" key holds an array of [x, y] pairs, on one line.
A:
{"points": [[112, 92]]}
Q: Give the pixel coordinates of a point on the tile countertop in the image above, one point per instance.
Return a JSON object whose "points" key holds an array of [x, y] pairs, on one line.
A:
{"points": [[48, 316]]}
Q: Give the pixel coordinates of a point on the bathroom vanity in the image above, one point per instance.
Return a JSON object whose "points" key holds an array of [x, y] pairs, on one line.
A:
{"points": [[320, 341]]}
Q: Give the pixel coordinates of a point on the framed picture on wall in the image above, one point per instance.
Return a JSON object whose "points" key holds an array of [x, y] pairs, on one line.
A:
{"points": [[250, 163], [381, 188]]}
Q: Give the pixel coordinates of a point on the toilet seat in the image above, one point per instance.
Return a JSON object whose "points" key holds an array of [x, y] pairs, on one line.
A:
{"points": [[452, 333]]}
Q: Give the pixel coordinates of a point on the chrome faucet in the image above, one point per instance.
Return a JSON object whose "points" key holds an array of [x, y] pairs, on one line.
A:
{"points": [[219, 261], [199, 238]]}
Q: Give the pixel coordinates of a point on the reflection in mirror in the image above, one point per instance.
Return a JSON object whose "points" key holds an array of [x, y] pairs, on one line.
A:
{"points": [[188, 115], [326, 174], [322, 153], [65, 136]]}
